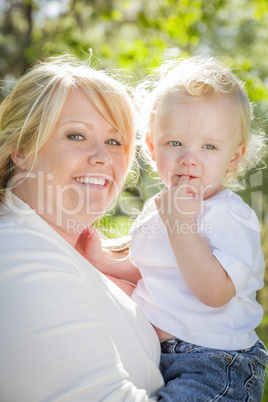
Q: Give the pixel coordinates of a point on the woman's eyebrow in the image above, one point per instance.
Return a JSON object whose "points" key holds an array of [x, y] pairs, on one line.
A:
{"points": [[88, 125], [113, 131], [84, 123]]}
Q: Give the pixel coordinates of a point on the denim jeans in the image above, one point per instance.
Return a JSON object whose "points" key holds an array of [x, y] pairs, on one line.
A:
{"points": [[196, 374]]}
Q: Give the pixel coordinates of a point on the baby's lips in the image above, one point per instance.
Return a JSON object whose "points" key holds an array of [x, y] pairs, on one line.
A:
{"points": [[184, 178]]}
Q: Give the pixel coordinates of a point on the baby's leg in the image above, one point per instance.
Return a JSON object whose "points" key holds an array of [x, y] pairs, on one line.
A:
{"points": [[127, 287], [195, 373]]}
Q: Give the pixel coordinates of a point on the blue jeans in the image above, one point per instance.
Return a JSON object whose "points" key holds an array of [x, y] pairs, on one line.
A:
{"points": [[196, 374]]}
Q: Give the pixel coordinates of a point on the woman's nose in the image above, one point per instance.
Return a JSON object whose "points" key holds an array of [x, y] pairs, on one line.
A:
{"points": [[100, 156]]}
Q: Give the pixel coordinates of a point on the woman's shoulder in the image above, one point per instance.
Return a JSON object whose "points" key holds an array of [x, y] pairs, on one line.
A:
{"points": [[28, 244]]}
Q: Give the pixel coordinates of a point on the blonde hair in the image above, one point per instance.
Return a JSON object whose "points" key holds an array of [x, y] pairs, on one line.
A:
{"points": [[30, 112], [193, 79]]}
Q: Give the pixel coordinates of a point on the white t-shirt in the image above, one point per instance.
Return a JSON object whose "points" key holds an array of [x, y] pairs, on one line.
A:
{"points": [[67, 332], [231, 229]]}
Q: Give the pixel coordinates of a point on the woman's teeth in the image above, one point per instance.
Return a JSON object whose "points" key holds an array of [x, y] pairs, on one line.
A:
{"points": [[90, 180]]}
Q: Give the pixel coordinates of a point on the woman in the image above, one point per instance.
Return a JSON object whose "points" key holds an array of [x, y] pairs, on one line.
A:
{"points": [[67, 332]]}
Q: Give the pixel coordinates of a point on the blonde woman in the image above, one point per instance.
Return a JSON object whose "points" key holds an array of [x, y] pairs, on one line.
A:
{"points": [[67, 332]]}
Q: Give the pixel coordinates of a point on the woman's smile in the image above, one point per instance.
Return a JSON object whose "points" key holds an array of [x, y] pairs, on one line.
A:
{"points": [[93, 180]]}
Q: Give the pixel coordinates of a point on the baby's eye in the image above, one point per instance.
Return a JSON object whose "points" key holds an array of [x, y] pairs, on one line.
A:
{"points": [[208, 146], [174, 143], [113, 142], [75, 137]]}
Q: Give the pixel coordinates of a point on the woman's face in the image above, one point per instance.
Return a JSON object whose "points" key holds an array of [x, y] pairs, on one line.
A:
{"points": [[79, 171]]}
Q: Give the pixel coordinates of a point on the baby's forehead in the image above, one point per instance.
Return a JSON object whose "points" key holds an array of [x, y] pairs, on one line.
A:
{"points": [[170, 102], [217, 115]]}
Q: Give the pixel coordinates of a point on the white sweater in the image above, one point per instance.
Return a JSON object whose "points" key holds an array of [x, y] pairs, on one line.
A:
{"points": [[67, 332]]}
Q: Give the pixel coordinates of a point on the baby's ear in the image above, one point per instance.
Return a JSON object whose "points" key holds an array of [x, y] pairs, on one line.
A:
{"points": [[149, 142], [19, 159], [237, 156]]}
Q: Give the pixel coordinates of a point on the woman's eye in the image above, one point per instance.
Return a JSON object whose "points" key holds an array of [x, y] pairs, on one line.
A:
{"points": [[75, 137], [208, 146], [113, 142], [174, 143]]}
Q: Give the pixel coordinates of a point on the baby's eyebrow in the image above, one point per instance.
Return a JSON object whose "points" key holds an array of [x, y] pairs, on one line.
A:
{"points": [[213, 140]]}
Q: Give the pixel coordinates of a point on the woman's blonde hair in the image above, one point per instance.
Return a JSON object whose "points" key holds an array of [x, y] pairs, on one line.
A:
{"points": [[193, 79], [30, 112]]}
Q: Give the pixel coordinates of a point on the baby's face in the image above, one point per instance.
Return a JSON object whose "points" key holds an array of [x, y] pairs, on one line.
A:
{"points": [[201, 140]]}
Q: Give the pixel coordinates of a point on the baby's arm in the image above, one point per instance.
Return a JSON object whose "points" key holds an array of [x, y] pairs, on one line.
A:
{"points": [[115, 265], [202, 272]]}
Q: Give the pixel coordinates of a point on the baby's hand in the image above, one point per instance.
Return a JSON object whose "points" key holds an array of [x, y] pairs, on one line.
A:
{"points": [[180, 202], [89, 245]]}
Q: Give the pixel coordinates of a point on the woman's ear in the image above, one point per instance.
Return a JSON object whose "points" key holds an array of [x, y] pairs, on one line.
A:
{"points": [[237, 156], [150, 144], [19, 159]]}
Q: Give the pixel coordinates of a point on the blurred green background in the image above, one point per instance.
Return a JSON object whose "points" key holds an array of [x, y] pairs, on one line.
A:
{"points": [[136, 36]]}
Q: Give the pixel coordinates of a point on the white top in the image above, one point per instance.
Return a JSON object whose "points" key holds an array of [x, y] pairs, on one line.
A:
{"points": [[230, 228], [67, 332]]}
